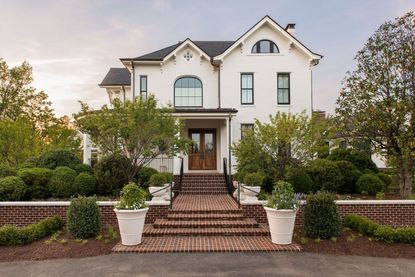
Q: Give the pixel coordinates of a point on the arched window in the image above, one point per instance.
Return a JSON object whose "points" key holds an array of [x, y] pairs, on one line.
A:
{"points": [[188, 92], [265, 46]]}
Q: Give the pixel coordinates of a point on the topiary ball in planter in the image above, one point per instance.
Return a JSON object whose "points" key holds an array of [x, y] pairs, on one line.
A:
{"points": [[168, 176], [321, 216], [61, 183], [12, 188], [158, 180], [253, 179], [370, 183], [84, 184], [84, 218]]}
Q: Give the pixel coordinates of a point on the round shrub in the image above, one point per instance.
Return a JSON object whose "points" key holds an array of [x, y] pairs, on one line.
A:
{"points": [[253, 179], [61, 183], [168, 176], [84, 184], [79, 168], [359, 159], [83, 217], [321, 216], [55, 158], [6, 170], [300, 180], [143, 176], [110, 173], [132, 197], [386, 179], [325, 175], [368, 171], [158, 180], [370, 183], [38, 181], [12, 188], [350, 175]]}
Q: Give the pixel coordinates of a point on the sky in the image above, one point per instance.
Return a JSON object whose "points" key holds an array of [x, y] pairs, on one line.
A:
{"points": [[72, 44]]}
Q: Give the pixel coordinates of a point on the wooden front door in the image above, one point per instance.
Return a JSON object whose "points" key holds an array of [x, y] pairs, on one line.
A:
{"points": [[203, 153]]}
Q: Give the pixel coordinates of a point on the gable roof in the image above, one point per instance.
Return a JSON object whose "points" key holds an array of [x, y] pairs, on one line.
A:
{"points": [[211, 48], [117, 77]]}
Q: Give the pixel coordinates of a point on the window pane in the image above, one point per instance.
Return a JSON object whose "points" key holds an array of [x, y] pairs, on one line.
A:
{"points": [[246, 81], [265, 46], [143, 83], [247, 96], [188, 92]]}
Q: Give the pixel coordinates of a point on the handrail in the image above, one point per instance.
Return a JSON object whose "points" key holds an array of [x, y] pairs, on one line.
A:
{"points": [[228, 178], [181, 174], [171, 185]]}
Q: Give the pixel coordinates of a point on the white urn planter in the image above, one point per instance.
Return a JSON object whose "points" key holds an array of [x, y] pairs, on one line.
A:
{"points": [[131, 224], [281, 225], [166, 195], [158, 193], [250, 193]]}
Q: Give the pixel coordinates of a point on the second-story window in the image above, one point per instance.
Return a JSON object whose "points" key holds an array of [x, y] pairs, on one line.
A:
{"points": [[143, 86], [188, 92], [246, 129], [283, 88], [247, 88]]}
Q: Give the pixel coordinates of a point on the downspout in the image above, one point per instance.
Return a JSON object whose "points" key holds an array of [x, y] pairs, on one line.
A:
{"points": [[311, 81], [133, 80], [219, 85]]}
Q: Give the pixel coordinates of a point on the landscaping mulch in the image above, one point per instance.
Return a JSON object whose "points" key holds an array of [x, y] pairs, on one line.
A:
{"points": [[352, 243], [40, 250]]}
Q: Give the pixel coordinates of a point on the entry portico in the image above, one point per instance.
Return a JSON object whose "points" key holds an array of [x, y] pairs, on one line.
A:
{"points": [[211, 133]]}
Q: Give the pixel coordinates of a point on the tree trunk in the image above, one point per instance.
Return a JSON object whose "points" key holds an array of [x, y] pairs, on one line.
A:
{"points": [[406, 171]]}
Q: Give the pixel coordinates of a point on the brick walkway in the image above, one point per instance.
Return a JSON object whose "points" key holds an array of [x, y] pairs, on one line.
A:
{"points": [[205, 222]]}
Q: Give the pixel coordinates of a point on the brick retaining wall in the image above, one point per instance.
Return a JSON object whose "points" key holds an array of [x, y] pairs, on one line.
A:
{"points": [[24, 213], [387, 212]]}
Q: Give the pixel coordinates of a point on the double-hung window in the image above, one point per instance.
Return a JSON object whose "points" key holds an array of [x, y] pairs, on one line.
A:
{"points": [[247, 88], [143, 86], [245, 129], [283, 88]]}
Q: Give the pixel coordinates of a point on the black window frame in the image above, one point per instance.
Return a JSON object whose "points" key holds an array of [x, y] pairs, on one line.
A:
{"points": [[174, 92], [289, 88], [141, 85], [272, 46], [243, 89], [246, 126]]}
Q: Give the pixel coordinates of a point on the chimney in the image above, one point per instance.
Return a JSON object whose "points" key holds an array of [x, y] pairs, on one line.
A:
{"points": [[290, 28]]}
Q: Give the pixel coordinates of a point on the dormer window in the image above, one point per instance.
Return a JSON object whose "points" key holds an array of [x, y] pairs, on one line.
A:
{"points": [[265, 46]]}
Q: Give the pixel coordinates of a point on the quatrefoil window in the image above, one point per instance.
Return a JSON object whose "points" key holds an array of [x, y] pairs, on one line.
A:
{"points": [[188, 56]]}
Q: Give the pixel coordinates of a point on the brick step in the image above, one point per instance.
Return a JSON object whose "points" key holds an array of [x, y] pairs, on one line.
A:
{"points": [[221, 192], [213, 186], [150, 231], [244, 223], [203, 189], [205, 244], [204, 211], [204, 216]]}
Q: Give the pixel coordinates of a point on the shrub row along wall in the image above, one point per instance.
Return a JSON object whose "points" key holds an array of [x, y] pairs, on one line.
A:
{"points": [[25, 213], [386, 212]]}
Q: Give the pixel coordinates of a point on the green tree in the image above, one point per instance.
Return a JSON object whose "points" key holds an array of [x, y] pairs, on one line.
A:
{"points": [[377, 101], [287, 138], [137, 129]]}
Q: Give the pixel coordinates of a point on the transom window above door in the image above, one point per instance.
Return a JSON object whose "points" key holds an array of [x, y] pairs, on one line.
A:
{"points": [[265, 46], [188, 92]]}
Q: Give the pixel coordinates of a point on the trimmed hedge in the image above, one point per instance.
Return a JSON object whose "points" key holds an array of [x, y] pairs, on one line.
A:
{"points": [[325, 174], [143, 176], [61, 183], [370, 183], [55, 158], [350, 174], [12, 188], [300, 180], [12, 235], [37, 179], [6, 170], [79, 168], [360, 159], [321, 216], [84, 184], [110, 174], [384, 233], [84, 217]]}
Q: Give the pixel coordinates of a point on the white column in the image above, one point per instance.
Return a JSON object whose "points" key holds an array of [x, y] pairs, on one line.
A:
{"points": [[227, 143], [176, 160], [87, 149]]}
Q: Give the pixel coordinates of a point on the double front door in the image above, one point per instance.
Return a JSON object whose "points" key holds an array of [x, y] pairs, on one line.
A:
{"points": [[203, 152]]}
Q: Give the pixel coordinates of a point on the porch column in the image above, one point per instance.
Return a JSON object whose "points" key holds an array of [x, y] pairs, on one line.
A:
{"points": [[228, 143], [86, 149], [176, 159]]}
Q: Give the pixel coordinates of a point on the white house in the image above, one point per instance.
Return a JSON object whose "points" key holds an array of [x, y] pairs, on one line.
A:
{"points": [[220, 87]]}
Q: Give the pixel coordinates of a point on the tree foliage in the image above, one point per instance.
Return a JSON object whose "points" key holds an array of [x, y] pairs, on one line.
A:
{"points": [[377, 101], [137, 129]]}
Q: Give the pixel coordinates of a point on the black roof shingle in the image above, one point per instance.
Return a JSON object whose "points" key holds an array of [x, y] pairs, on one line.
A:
{"points": [[117, 77]]}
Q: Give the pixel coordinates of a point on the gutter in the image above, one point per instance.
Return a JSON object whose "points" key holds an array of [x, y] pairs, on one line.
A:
{"points": [[133, 80]]}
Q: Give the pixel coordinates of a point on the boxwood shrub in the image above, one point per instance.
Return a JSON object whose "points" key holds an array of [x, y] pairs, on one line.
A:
{"points": [[6, 170], [83, 217], [350, 174], [37, 179], [386, 179], [321, 216], [79, 168], [84, 184], [325, 174], [12, 235], [143, 176], [12, 188], [55, 158], [358, 158], [370, 183], [388, 234], [61, 183], [300, 180], [110, 174]]}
